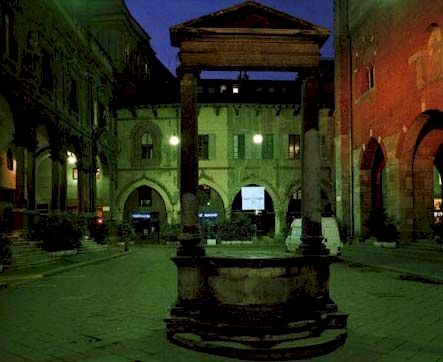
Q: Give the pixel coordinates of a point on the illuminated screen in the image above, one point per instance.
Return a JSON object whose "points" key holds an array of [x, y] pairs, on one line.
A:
{"points": [[253, 198]]}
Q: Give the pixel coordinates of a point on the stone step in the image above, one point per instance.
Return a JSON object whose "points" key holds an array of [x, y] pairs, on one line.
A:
{"points": [[91, 247], [309, 347]]}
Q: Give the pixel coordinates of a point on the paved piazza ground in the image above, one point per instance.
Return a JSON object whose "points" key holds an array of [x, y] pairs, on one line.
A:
{"points": [[113, 311]]}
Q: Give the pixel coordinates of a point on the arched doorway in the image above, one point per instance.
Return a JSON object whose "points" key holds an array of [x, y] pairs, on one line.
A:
{"points": [[146, 210], [263, 219], [372, 185], [211, 211], [420, 153]]}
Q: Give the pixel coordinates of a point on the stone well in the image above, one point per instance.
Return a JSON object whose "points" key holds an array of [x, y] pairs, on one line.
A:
{"points": [[256, 305]]}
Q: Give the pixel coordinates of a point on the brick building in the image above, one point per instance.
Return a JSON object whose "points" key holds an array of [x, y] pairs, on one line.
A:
{"points": [[388, 114]]}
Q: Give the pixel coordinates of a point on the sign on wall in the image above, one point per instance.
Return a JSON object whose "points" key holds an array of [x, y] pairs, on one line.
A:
{"points": [[253, 198]]}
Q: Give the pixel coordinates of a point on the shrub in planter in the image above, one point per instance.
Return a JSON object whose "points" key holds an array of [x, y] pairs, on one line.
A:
{"points": [[239, 227], [125, 231], [170, 232], [437, 229], [60, 232], [99, 231], [5, 250]]}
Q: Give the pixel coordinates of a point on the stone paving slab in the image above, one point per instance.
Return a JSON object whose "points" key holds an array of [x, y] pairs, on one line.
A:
{"points": [[411, 260], [114, 310]]}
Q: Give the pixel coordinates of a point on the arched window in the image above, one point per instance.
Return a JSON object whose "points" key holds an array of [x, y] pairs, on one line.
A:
{"points": [[10, 160], [147, 146]]}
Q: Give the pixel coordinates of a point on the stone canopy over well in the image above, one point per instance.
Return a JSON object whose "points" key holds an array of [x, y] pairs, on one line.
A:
{"points": [[248, 36]]}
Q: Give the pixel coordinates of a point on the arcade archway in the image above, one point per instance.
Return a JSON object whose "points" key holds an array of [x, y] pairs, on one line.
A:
{"points": [[263, 219], [372, 183], [421, 153], [146, 210]]}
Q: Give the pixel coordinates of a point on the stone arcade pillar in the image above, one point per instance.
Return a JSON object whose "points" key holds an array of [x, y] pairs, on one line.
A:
{"points": [[92, 188], [30, 181], [55, 179], [312, 239], [190, 237], [82, 192], [63, 193], [20, 172]]}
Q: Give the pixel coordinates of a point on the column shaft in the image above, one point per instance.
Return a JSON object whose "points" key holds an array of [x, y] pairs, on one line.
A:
{"points": [[189, 153], [63, 186], [55, 183], [20, 171], [311, 198]]}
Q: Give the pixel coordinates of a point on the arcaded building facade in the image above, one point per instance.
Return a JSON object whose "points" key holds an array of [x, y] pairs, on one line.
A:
{"points": [[230, 113], [57, 128], [87, 112], [388, 114]]}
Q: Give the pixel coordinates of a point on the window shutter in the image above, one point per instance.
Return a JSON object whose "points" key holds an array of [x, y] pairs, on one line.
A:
{"points": [[212, 147], [248, 146], [258, 151]]}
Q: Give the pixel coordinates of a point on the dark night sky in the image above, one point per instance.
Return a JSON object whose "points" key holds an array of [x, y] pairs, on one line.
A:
{"points": [[157, 16]]}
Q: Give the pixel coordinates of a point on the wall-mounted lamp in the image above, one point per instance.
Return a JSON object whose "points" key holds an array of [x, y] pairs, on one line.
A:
{"points": [[257, 138]]}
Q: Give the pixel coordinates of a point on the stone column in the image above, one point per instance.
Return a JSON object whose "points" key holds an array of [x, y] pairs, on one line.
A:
{"points": [[30, 176], [82, 193], [312, 239], [55, 179], [279, 220], [92, 189], [189, 165], [20, 172], [63, 185], [30, 183]]}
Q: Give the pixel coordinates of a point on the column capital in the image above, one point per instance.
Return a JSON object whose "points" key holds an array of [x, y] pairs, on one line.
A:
{"points": [[182, 71], [26, 138], [311, 72]]}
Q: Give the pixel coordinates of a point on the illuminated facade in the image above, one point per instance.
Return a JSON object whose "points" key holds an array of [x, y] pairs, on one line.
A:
{"points": [[388, 113], [231, 113]]}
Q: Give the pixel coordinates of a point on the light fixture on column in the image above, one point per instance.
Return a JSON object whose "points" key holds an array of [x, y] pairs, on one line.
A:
{"points": [[71, 158], [174, 140], [257, 138]]}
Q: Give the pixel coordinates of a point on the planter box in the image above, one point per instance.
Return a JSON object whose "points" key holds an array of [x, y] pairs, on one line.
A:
{"points": [[56, 254], [385, 244]]}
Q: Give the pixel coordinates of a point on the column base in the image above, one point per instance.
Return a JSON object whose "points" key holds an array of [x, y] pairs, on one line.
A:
{"points": [[313, 245], [190, 245]]}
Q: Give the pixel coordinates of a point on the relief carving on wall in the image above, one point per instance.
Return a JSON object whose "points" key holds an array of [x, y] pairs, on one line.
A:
{"points": [[429, 59]]}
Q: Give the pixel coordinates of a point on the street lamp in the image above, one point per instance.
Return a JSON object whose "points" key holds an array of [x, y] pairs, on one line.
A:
{"points": [[257, 138], [174, 140]]}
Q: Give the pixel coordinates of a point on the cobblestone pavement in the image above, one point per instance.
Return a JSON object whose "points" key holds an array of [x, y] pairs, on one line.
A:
{"points": [[113, 311]]}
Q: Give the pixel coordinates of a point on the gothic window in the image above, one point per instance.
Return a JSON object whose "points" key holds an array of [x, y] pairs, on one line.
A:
{"points": [[294, 146], [239, 147], [371, 77], [10, 160], [147, 146], [9, 43], [47, 71], [73, 96], [145, 142], [203, 147]]}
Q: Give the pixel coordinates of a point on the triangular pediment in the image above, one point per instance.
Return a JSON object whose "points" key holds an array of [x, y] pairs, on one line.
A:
{"points": [[249, 14], [248, 36]]}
